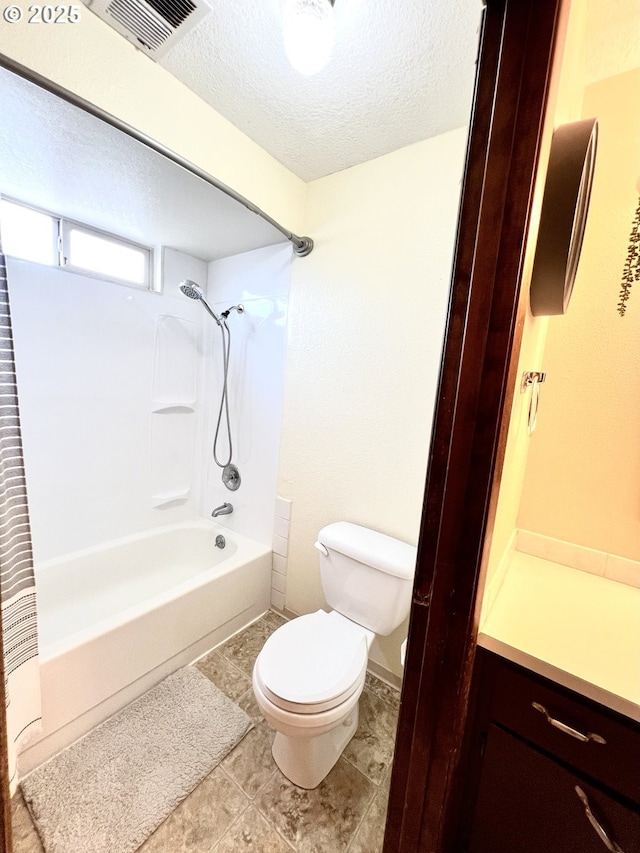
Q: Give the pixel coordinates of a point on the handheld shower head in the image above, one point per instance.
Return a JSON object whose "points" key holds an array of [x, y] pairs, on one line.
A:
{"points": [[193, 291]]}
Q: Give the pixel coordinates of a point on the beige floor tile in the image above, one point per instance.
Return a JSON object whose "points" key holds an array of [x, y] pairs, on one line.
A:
{"points": [[201, 820], [253, 834], [251, 764], [371, 748], [274, 619], [385, 785], [249, 705], [243, 649], [25, 836], [370, 834], [323, 820], [385, 691], [224, 675]]}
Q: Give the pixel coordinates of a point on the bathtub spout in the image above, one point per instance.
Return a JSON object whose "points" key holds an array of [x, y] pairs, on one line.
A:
{"points": [[224, 509]]}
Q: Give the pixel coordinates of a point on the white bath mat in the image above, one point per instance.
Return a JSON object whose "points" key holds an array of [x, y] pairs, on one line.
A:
{"points": [[109, 791]]}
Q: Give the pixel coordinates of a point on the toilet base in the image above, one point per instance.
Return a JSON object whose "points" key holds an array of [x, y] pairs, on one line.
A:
{"points": [[306, 761]]}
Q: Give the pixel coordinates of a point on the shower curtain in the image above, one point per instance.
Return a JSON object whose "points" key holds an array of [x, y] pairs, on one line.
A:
{"points": [[17, 582]]}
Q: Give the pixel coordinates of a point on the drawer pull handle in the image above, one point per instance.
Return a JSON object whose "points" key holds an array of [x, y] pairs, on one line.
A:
{"points": [[602, 835], [567, 729]]}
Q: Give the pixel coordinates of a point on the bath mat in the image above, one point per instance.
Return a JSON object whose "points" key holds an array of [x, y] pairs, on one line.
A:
{"points": [[109, 791]]}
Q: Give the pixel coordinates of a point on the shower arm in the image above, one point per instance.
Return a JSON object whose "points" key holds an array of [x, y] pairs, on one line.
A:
{"points": [[225, 314]]}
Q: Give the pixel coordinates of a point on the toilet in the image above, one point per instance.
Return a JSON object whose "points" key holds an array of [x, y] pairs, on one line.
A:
{"points": [[310, 673]]}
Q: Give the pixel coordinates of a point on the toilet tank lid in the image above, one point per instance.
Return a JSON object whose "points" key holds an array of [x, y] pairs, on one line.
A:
{"points": [[375, 549]]}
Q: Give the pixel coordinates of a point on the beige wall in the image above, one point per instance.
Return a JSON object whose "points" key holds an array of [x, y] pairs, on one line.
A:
{"points": [[582, 481], [92, 60], [365, 334]]}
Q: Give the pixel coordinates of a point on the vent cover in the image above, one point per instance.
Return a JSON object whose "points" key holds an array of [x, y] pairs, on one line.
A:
{"points": [[153, 26]]}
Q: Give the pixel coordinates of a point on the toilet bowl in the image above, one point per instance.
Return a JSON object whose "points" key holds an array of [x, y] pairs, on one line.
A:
{"points": [[309, 675], [307, 681]]}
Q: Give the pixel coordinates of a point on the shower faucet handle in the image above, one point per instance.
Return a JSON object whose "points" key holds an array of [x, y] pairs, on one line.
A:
{"points": [[231, 477]]}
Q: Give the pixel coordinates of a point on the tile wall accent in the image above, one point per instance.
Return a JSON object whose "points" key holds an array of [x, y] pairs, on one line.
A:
{"points": [[281, 525], [600, 563]]}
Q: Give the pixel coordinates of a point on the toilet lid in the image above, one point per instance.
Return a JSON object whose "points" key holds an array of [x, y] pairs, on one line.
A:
{"points": [[313, 660]]}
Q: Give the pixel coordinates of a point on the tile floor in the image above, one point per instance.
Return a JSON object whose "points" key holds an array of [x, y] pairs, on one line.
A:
{"points": [[246, 804]]}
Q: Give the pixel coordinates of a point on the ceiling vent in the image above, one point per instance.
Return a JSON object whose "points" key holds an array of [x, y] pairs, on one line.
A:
{"points": [[153, 26]]}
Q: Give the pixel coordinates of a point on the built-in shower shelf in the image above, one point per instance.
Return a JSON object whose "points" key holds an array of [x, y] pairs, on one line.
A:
{"points": [[164, 407], [169, 497]]}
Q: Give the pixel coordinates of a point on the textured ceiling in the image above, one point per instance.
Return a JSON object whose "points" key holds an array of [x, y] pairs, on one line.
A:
{"points": [[400, 73], [58, 157]]}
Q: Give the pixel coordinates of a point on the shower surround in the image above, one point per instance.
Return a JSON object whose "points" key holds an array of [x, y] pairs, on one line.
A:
{"points": [[118, 388]]}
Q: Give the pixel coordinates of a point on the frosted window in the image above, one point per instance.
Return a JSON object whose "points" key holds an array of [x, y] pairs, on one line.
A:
{"points": [[28, 234], [46, 238], [106, 257]]}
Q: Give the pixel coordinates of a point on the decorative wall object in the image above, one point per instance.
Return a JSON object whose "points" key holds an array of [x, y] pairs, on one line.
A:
{"points": [[564, 216], [631, 271]]}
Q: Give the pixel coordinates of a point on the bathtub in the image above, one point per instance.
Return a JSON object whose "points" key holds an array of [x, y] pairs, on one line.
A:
{"points": [[116, 620]]}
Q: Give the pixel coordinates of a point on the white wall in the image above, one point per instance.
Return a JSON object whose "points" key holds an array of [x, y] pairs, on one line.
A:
{"points": [[260, 281], [88, 370], [366, 323]]}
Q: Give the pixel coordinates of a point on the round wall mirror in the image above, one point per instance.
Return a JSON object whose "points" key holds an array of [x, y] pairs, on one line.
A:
{"points": [[564, 215]]}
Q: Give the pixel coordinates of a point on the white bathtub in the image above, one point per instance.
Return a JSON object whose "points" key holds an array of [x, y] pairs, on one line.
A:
{"points": [[115, 620]]}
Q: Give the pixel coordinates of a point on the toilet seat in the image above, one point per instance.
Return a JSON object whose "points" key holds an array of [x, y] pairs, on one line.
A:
{"points": [[313, 663]]}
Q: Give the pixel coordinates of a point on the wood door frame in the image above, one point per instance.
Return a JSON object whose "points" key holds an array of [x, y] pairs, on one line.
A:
{"points": [[520, 40], [516, 50]]}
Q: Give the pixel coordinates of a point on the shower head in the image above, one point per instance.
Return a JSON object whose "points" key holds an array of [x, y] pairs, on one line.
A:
{"points": [[193, 291]]}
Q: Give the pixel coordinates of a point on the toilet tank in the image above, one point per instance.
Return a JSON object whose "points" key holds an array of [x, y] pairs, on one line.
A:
{"points": [[367, 576]]}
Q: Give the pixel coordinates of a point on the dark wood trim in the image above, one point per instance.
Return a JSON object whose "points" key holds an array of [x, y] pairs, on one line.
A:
{"points": [[473, 747], [514, 71]]}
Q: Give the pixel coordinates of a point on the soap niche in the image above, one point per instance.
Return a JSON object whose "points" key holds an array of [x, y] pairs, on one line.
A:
{"points": [[173, 410]]}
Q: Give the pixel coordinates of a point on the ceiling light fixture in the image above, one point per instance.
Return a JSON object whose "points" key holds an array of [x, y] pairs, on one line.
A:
{"points": [[309, 31]]}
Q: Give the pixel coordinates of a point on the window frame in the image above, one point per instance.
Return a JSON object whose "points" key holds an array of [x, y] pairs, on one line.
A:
{"points": [[64, 225], [67, 225]]}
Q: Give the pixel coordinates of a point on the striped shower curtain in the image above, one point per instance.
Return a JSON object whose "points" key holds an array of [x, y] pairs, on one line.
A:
{"points": [[17, 582]]}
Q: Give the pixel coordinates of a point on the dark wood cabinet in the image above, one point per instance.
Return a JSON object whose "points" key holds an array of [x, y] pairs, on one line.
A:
{"points": [[554, 772]]}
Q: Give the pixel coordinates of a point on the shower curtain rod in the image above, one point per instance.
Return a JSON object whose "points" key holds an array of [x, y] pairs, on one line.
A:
{"points": [[302, 246]]}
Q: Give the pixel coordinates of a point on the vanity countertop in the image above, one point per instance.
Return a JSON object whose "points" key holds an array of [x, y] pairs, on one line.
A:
{"points": [[577, 629]]}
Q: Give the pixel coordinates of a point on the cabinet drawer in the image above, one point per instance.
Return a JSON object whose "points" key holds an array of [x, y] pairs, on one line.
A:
{"points": [[616, 763], [527, 803]]}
